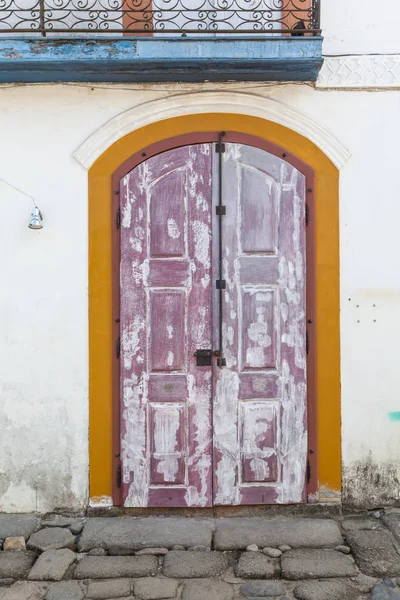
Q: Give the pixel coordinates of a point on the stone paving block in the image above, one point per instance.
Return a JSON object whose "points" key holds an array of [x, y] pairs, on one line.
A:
{"points": [[392, 521], [14, 544], [155, 589], [181, 564], [152, 552], [207, 590], [24, 590], [383, 592], [96, 552], [272, 552], [343, 548], [124, 535], [360, 524], [52, 538], [255, 565], [56, 521], [364, 582], [131, 598], [264, 589], [16, 564], [327, 590], [230, 576], [314, 564], [52, 565], [16, 525], [237, 534], [374, 552], [111, 588], [65, 590], [103, 567], [76, 527]]}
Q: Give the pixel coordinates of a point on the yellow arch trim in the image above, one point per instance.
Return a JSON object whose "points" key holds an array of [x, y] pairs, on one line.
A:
{"points": [[100, 284]]}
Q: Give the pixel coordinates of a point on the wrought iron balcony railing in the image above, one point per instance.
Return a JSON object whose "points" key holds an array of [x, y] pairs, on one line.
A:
{"points": [[159, 17]]}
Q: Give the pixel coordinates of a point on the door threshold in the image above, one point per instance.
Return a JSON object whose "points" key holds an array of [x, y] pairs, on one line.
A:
{"points": [[321, 509]]}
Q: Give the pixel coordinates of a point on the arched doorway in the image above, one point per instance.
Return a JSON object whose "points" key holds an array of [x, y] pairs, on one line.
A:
{"points": [[321, 241], [211, 257]]}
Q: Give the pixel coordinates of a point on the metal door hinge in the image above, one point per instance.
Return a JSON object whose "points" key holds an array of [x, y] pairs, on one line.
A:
{"points": [[119, 475], [118, 218], [308, 471], [220, 284], [307, 214], [220, 210], [118, 348], [307, 343], [219, 147]]}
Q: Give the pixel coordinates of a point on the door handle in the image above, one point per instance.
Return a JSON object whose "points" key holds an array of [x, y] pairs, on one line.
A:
{"points": [[203, 357]]}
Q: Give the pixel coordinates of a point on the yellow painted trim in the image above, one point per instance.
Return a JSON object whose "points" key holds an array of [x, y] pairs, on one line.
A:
{"points": [[100, 284]]}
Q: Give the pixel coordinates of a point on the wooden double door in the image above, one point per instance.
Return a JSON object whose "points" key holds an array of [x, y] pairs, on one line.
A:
{"points": [[213, 394]]}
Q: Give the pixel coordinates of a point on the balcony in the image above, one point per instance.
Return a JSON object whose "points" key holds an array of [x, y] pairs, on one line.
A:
{"points": [[159, 40]]}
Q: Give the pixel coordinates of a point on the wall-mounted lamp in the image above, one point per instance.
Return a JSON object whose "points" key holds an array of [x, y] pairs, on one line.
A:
{"points": [[36, 215], [36, 220]]}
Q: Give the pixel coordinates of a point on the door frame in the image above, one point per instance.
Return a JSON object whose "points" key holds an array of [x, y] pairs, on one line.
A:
{"points": [[272, 148], [120, 139]]}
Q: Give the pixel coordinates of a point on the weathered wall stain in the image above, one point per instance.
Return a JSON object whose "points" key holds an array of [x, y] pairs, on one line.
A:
{"points": [[370, 484], [37, 464]]}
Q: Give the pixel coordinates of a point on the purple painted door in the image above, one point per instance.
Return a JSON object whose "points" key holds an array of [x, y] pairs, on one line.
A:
{"points": [[201, 435], [259, 416], [166, 435]]}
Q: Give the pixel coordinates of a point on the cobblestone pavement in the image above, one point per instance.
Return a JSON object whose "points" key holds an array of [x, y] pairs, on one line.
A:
{"points": [[57, 557]]}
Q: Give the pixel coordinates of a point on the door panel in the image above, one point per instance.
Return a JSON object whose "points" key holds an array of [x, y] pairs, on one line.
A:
{"points": [[165, 318], [260, 434]]}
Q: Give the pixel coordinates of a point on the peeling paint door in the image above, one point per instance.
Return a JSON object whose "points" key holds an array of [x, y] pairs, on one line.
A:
{"points": [[166, 439], [259, 414], [197, 435]]}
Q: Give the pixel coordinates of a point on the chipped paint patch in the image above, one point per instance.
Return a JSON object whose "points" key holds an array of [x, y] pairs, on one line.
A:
{"points": [[202, 235], [226, 437], [173, 230], [166, 427], [258, 422], [200, 461], [100, 502], [327, 495], [130, 340], [133, 444], [293, 443], [170, 358]]}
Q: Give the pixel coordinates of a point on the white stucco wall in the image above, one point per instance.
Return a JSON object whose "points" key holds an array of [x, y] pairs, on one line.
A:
{"points": [[360, 26], [43, 300]]}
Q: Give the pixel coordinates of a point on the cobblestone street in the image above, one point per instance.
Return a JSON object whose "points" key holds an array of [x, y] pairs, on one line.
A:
{"points": [[355, 557]]}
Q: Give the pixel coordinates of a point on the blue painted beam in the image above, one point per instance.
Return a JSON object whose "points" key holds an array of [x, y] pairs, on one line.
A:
{"points": [[152, 59]]}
